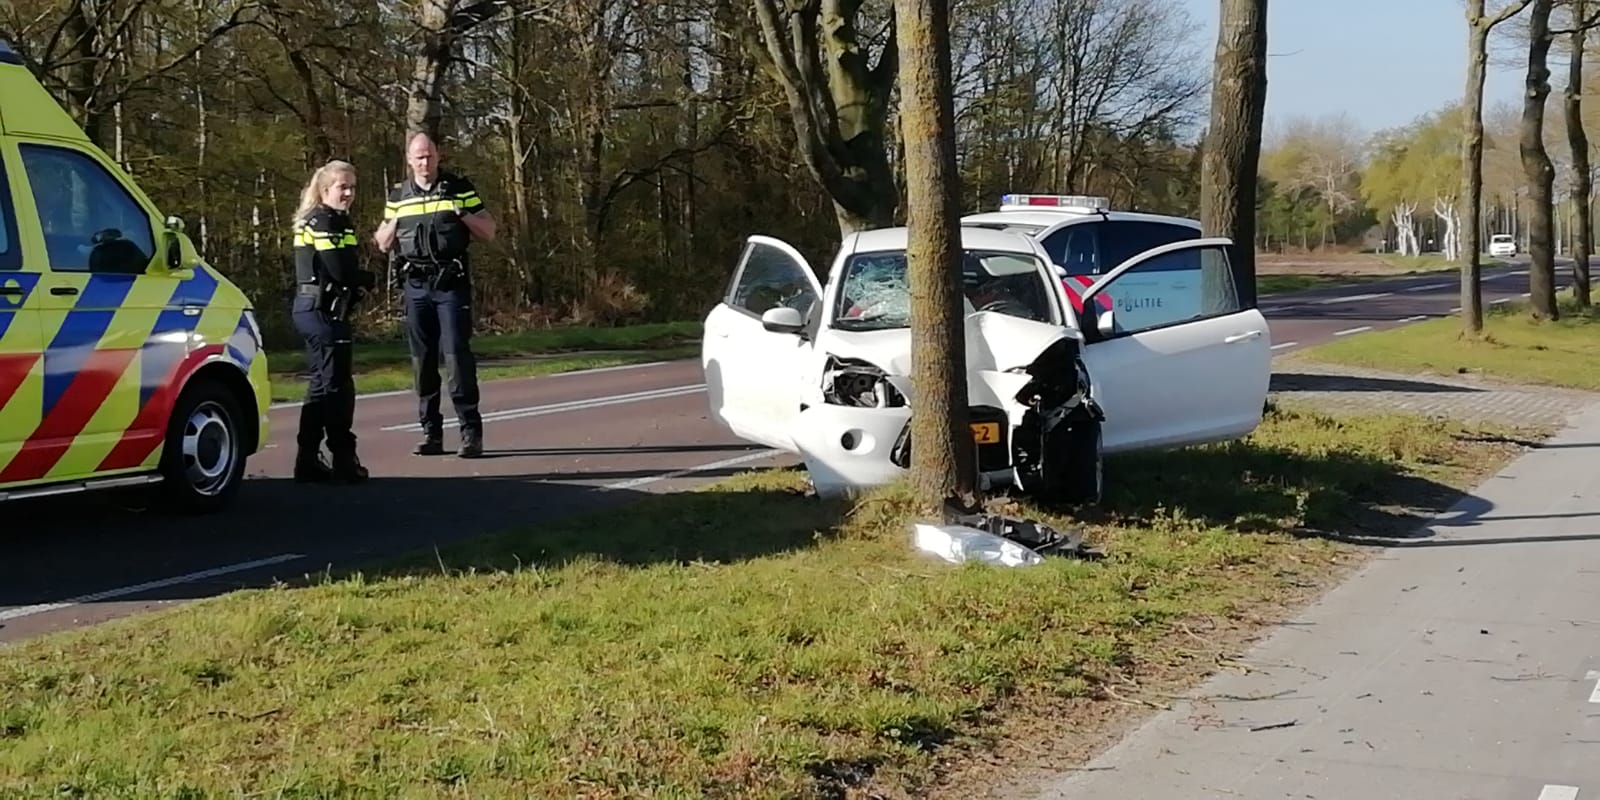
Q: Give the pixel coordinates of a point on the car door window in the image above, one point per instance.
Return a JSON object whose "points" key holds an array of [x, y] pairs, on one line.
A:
{"points": [[91, 223], [1173, 288], [1095, 248], [10, 250], [771, 278]]}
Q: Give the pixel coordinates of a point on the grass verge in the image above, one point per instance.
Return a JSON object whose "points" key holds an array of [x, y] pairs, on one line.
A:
{"points": [[385, 365], [1514, 347], [745, 640]]}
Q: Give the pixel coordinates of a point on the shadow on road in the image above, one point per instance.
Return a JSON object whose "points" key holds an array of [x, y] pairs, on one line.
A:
{"points": [[1306, 382], [70, 547]]}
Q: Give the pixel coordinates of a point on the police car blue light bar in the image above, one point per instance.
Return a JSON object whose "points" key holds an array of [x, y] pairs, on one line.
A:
{"points": [[1077, 202]]}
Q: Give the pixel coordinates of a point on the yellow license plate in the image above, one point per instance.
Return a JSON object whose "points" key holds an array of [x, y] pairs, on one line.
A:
{"points": [[986, 432]]}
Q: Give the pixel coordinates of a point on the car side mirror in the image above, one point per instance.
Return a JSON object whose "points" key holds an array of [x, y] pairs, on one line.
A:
{"points": [[1106, 323], [172, 237], [783, 319]]}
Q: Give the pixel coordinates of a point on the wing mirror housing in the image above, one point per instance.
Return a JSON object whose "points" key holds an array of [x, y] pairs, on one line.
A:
{"points": [[1106, 322], [173, 236], [783, 319]]}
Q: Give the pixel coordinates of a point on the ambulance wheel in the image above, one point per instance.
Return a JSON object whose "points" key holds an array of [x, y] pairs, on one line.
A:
{"points": [[1084, 482], [202, 465]]}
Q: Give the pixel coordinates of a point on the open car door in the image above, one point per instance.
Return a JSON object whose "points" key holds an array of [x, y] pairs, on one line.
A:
{"points": [[1175, 357], [756, 340]]}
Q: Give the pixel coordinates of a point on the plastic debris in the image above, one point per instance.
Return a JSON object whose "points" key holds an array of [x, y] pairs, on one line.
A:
{"points": [[959, 544], [1032, 534]]}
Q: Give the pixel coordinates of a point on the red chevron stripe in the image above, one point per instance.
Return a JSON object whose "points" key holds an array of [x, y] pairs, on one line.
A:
{"points": [[82, 398], [14, 369], [149, 428]]}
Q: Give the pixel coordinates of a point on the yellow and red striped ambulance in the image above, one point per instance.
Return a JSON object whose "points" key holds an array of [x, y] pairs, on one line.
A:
{"points": [[125, 359]]}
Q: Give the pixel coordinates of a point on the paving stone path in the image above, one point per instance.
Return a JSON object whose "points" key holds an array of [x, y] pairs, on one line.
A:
{"points": [[1336, 388]]}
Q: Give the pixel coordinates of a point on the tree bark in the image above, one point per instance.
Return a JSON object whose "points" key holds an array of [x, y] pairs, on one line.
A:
{"points": [[1578, 143], [1233, 142], [943, 464], [838, 103], [1537, 166]]}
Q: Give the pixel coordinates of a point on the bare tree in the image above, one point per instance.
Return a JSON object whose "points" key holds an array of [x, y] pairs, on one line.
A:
{"points": [[838, 99], [1537, 166], [943, 465], [1233, 143], [1578, 144]]}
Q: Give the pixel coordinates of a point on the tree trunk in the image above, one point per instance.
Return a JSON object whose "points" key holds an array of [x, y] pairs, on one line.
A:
{"points": [[1578, 143], [838, 103], [1472, 170], [1233, 143], [1537, 166], [943, 464], [422, 106]]}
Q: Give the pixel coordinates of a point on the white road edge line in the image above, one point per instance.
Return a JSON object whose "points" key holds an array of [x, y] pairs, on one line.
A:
{"points": [[1354, 330], [570, 405], [727, 462], [1282, 345], [28, 611], [1427, 287], [1555, 792], [1417, 318], [572, 373], [1354, 298], [1498, 302]]}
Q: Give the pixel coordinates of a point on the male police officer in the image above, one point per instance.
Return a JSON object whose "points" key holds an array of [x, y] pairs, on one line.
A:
{"points": [[431, 219]]}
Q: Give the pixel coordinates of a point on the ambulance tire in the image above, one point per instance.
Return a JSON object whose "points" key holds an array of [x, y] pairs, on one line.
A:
{"points": [[203, 460], [1084, 482]]}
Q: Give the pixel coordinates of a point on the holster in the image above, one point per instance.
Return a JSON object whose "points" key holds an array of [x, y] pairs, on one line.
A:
{"points": [[437, 276]]}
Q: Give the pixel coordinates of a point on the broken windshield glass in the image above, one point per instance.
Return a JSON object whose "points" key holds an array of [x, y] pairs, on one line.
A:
{"points": [[876, 295]]}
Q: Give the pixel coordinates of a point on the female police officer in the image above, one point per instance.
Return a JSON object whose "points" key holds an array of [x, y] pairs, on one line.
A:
{"points": [[328, 278]]}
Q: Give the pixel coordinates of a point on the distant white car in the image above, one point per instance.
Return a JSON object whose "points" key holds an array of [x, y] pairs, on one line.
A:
{"points": [[1502, 245], [823, 371]]}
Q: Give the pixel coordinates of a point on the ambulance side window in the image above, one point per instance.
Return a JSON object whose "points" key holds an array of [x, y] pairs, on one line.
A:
{"points": [[10, 252], [90, 222]]}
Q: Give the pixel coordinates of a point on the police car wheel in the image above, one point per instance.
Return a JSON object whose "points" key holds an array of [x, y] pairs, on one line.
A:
{"points": [[203, 463], [1085, 470]]}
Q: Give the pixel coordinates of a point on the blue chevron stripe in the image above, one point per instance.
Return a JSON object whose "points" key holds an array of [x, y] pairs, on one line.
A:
{"points": [[85, 325], [23, 280], [158, 355]]}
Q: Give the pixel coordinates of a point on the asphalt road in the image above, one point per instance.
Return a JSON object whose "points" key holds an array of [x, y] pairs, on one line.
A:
{"points": [[556, 444]]}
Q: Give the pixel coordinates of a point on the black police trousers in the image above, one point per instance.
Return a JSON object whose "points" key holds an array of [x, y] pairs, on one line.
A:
{"points": [[330, 404], [439, 324]]}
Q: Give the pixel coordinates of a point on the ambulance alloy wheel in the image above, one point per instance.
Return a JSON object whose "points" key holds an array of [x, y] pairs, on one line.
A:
{"points": [[203, 461]]}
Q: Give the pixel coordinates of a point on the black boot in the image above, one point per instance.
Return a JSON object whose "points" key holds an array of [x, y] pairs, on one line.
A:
{"points": [[310, 468], [347, 468], [433, 445], [471, 443]]}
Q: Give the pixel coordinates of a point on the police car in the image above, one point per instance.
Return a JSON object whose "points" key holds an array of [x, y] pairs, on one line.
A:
{"points": [[125, 360], [1085, 238]]}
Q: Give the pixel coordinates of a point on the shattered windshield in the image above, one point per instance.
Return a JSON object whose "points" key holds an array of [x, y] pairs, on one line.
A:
{"points": [[875, 295]]}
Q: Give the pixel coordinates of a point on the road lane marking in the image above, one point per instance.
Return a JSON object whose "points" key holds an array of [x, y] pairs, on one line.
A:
{"points": [[634, 483], [28, 611], [1354, 330], [1554, 792], [1527, 294], [1428, 287], [570, 405], [1417, 318], [1354, 298], [1594, 696], [1500, 301], [1456, 309], [1283, 345], [571, 373]]}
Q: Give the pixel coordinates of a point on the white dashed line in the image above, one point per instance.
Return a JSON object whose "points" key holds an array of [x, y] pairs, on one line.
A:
{"points": [[1354, 330], [1554, 792], [1501, 301], [1417, 318], [1283, 345], [571, 405], [1527, 294], [1355, 298], [729, 462], [1594, 696], [1428, 287], [1455, 310], [109, 594], [576, 373]]}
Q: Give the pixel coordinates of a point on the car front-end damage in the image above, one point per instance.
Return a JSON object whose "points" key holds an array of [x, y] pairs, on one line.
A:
{"points": [[1030, 405]]}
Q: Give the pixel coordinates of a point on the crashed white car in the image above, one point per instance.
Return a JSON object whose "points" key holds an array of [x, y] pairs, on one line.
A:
{"points": [[823, 371]]}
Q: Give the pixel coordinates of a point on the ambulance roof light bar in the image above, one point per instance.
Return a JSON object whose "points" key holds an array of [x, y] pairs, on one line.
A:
{"points": [[1065, 202]]}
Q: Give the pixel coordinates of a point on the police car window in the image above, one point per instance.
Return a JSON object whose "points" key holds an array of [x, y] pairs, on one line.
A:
{"points": [[1170, 289], [875, 293], [90, 222], [1095, 248], [771, 278], [10, 253]]}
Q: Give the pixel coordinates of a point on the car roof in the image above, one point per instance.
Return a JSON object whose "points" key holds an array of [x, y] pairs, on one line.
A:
{"points": [[1045, 218], [880, 239], [26, 108]]}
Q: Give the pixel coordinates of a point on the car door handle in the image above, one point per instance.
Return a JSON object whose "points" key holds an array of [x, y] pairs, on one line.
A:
{"points": [[1240, 337], [11, 291], [63, 290]]}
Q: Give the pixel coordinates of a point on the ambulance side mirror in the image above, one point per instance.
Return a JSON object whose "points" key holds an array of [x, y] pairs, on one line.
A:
{"points": [[174, 242]]}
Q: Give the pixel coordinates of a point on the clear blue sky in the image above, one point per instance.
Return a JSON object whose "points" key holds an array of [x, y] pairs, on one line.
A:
{"points": [[1383, 61]]}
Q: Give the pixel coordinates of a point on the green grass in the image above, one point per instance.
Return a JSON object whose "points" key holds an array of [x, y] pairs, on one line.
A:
{"points": [[1272, 284], [385, 365], [1514, 347], [741, 641]]}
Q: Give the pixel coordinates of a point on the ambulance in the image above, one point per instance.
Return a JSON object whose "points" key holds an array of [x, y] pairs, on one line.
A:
{"points": [[1086, 238], [125, 359]]}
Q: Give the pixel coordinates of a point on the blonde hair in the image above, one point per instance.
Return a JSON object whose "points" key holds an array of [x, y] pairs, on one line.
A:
{"points": [[311, 195]]}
